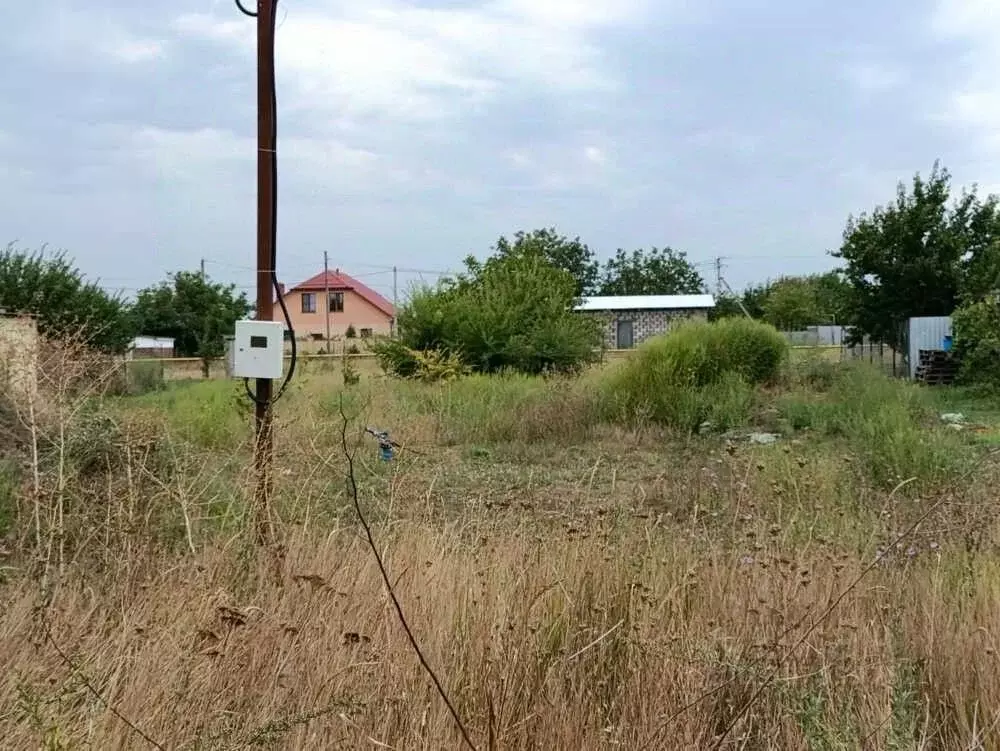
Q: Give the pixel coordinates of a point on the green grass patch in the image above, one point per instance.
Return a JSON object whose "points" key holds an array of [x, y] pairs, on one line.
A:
{"points": [[892, 426], [505, 408], [209, 414]]}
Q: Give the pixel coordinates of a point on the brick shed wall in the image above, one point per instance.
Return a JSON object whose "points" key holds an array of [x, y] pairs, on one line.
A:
{"points": [[645, 323]]}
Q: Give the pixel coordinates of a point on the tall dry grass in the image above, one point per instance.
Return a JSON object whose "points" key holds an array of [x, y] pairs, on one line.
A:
{"points": [[622, 590]]}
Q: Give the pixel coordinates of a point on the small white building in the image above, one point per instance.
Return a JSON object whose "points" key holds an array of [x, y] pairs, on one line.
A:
{"points": [[150, 346], [629, 320]]}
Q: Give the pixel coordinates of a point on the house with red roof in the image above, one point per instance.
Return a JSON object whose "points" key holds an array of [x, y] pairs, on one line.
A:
{"points": [[351, 304]]}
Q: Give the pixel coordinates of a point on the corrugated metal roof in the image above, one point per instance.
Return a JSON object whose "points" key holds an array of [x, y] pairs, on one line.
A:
{"points": [[647, 302]]}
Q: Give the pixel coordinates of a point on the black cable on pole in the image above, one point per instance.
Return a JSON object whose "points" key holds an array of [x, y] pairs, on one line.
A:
{"points": [[273, 86], [244, 10]]}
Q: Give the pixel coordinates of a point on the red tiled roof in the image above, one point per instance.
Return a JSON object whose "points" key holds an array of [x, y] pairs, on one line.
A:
{"points": [[338, 281]]}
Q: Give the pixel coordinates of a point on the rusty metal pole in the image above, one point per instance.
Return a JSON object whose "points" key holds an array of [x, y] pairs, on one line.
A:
{"points": [[263, 443]]}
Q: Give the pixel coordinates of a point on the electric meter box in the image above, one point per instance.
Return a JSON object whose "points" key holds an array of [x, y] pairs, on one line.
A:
{"points": [[258, 349]]}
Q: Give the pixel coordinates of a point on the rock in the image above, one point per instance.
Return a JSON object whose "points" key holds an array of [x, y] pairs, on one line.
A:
{"points": [[763, 438], [705, 427], [953, 418]]}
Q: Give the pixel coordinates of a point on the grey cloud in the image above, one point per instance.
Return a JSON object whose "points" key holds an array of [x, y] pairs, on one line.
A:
{"points": [[748, 130]]}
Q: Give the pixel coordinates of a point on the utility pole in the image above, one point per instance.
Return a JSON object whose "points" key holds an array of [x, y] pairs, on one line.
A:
{"points": [[718, 275], [392, 330], [326, 303], [266, 167], [203, 269]]}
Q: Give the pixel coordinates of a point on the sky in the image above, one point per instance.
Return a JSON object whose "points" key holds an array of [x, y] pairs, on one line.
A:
{"points": [[415, 133]]}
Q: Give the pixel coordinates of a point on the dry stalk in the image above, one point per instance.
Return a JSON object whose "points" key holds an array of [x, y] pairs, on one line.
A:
{"points": [[779, 663], [353, 490]]}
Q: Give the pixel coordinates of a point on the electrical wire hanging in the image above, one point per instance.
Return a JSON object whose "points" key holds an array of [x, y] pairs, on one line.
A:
{"points": [[273, 86]]}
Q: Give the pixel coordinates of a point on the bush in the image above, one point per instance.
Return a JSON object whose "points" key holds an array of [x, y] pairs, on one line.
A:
{"points": [[514, 312], [429, 366], [351, 332], [700, 372]]}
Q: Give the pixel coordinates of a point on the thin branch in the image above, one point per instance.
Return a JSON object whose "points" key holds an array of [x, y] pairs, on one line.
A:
{"points": [[353, 489], [97, 694]]}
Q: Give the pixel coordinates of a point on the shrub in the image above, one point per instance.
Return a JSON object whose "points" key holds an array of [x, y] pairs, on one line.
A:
{"points": [[431, 365], [351, 332], [394, 357], [514, 312], [699, 372]]}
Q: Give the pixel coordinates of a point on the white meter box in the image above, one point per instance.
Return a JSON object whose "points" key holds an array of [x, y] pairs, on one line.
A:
{"points": [[258, 349]]}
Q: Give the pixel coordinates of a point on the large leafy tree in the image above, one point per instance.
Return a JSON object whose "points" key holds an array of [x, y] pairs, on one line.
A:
{"points": [[196, 312], [911, 257], [65, 304], [654, 272], [571, 255]]}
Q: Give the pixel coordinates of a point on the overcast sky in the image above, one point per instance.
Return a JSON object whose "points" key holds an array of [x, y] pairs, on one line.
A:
{"points": [[413, 133]]}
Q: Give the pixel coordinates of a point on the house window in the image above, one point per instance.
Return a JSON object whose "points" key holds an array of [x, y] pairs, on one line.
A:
{"points": [[308, 302], [366, 333], [336, 302]]}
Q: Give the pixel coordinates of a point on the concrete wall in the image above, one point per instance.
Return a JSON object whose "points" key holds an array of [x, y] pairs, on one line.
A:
{"points": [[645, 323], [19, 357]]}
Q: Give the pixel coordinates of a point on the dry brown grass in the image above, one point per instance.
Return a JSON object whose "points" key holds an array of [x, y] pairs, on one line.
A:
{"points": [[619, 591]]}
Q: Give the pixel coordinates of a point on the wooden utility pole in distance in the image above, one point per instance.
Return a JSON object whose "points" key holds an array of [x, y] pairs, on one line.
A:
{"points": [[266, 209], [326, 302], [392, 331]]}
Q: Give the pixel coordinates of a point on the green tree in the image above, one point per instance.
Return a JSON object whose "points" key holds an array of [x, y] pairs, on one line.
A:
{"points": [[515, 311], [911, 257], [793, 303], [726, 306], [197, 313], [977, 340], [572, 256], [53, 289], [753, 298], [655, 272], [833, 297]]}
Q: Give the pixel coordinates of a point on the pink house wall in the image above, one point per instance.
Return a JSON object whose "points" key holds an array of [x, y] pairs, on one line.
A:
{"points": [[357, 312]]}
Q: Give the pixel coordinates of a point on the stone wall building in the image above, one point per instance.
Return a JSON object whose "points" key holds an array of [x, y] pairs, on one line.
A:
{"points": [[630, 320]]}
